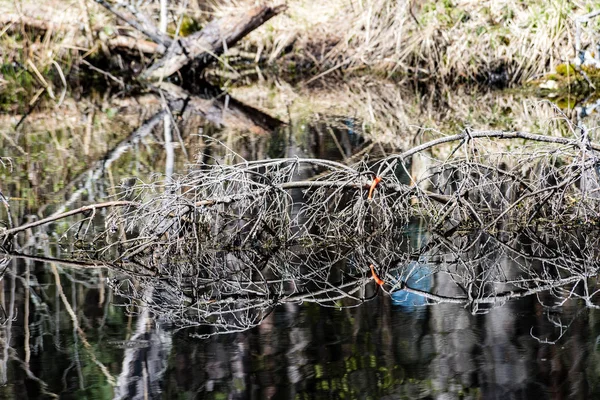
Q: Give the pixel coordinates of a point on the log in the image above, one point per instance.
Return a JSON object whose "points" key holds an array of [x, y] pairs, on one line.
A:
{"points": [[211, 41], [199, 48], [221, 110], [128, 42]]}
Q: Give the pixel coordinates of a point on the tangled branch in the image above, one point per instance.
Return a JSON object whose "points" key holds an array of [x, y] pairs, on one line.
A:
{"points": [[221, 246]]}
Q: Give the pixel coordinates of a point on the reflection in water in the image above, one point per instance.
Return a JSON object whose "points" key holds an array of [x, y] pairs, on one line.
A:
{"points": [[116, 331], [416, 274], [321, 353], [144, 365], [380, 349]]}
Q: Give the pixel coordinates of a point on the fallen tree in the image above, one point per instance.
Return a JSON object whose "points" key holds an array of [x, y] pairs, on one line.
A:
{"points": [[172, 53], [222, 245], [199, 48], [210, 42]]}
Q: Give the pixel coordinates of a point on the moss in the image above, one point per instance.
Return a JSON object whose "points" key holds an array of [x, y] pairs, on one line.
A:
{"points": [[565, 69], [188, 26], [566, 102], [570, 85]]}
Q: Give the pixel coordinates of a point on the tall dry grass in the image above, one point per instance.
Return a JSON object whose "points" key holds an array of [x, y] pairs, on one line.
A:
{"points": [[44, 44], [39, 42], [460, 40], [450, 41]]}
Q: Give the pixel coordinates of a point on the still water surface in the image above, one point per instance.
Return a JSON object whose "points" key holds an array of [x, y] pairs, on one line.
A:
{"points": [[79, 340], [378, 350]]}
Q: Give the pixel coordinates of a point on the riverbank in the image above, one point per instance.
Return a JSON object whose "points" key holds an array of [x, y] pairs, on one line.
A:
{"points": [[489, 42], [492, 42]]}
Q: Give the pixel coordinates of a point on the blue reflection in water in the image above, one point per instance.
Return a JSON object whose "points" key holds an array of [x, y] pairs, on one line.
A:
{"points": [[417, 275]]}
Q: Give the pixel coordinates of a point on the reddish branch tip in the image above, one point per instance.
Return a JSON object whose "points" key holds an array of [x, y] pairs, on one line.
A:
{"points": [[375, 277], [373, 186]]}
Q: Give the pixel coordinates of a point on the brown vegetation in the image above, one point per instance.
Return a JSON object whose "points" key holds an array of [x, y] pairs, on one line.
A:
{"points": [[495, 42]]}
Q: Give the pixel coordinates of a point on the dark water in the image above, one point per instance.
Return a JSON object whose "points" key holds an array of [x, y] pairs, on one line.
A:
{"points": [[79, 340], [377, 350]]}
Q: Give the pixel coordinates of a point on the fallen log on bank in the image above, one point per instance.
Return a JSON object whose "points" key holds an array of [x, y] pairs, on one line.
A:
{"points": [[200, 48], [210, 42]]}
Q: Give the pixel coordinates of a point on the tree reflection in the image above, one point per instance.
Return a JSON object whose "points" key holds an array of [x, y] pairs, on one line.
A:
{"points": [[223, 245], [268, 262]]}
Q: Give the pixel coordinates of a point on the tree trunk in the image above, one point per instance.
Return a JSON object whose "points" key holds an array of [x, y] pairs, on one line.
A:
{"points": [[210, 42]]}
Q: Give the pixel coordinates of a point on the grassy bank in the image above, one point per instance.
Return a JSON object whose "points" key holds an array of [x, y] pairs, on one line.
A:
{"points": [[340, 58], [492, 42], [451, 41]]}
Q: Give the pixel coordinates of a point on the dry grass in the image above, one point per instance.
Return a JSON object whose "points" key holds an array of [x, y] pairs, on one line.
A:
{"points": [[48, 31], [462, 40], [450, 41], [400, 116], [42, 45]]}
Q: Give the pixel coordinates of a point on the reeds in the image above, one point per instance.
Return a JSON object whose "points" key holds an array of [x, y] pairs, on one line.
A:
{"points": [[452, 41], [504, 42], [461, 40]]}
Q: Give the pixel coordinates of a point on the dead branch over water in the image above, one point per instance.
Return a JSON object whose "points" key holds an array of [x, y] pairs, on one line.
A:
{"points": [[220, 109], [222, 245]]}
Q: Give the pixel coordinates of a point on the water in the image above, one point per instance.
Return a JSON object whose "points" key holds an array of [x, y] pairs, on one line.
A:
{"points": [[78, 339], [307, 351]]}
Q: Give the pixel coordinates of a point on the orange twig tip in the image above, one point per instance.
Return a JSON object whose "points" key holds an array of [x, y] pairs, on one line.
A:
{"points": [[373, 186], [375, 277]]}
